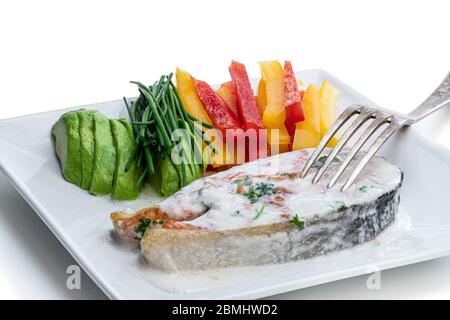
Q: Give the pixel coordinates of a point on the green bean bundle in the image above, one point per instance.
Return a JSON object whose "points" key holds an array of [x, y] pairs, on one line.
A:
{"points": [[168, 139]]}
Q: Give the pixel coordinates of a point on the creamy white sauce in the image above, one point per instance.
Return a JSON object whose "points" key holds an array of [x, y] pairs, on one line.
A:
{"points": [[214, 203]]}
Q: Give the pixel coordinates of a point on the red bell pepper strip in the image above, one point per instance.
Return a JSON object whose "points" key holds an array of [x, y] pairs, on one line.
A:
{"points": [[220, 113], [248, 113], [246, 102], [292, 100]]}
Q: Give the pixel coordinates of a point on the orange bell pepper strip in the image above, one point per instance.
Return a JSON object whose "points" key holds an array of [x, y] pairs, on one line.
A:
{"points": [[193, 105], [227, 92], [189, 98]]}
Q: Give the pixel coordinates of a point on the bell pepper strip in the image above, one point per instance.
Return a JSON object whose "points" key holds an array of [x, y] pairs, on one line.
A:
{"points": [[274, 112], [292, 100], [255, 137], [278, 140], [223, 156], [218, 110], [191, 102], [227, 92], [246, 103], [189, 98], [328, 98], [307, 132], [261, 100], [271, 104]]}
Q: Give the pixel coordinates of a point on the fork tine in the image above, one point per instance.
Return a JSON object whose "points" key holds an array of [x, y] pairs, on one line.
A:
{"points": [[378, 122], [343, 117], [365, 115], [390, 129]]}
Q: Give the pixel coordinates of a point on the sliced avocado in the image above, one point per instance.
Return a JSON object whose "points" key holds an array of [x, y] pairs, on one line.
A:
{"points": [[138, 168], [124, 183], [68, 147], [166, 180], [86, 119], [104, 156]]}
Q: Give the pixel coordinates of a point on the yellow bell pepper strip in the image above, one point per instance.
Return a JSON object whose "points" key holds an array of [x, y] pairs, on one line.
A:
{"points": [[189, 98], [279, 140], [261, 97], [274, 112], [328, 98], [271, 104], [307, 132], [227, 93], [292, 100]]}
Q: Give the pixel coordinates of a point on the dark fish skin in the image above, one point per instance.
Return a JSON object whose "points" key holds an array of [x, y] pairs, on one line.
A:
{"points": [[194, 250]]}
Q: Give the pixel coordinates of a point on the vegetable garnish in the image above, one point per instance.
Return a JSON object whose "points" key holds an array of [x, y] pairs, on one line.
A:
{"points": [[222, 116], [292, 100], [300, 223], [364, 189], [338, 205], [259, 190], [143, 225], [246, 103], [260, 211], [319, 162], [244, 181], [168, 142], [236, 213]]}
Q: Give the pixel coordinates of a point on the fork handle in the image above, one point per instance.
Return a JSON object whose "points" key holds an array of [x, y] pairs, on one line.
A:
{"points": [[437, 100]]}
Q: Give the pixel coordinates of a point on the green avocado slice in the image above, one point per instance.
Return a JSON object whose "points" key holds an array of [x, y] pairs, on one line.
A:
{"points": [[104, 156], [68, 147], [166, 179], [138, 168], [86, 119], [124, 183]]}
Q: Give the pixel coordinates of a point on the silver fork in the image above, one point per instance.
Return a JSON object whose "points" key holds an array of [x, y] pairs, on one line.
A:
{"points": [[437, 100]]}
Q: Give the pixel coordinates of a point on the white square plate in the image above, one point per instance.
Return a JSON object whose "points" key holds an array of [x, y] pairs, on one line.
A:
{"points": [[81, 221]]}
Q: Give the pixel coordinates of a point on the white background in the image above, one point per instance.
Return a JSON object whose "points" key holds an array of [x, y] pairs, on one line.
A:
{"points": [[56, 54]]}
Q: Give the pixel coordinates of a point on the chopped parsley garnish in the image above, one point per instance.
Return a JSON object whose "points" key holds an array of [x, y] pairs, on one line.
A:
{"points": [[143, 225], [236, 213], [338, 205], [259, 190], [205, 205], [244, 181], [300, 223], [364, 188], [319, 162], [259, 211]]}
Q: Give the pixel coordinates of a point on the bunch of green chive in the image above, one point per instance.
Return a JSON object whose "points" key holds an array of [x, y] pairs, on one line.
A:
{"points": [[155, 115]]}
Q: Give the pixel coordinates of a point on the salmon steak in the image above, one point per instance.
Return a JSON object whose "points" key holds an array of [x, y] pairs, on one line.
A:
{"points": [[263, 212]]}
